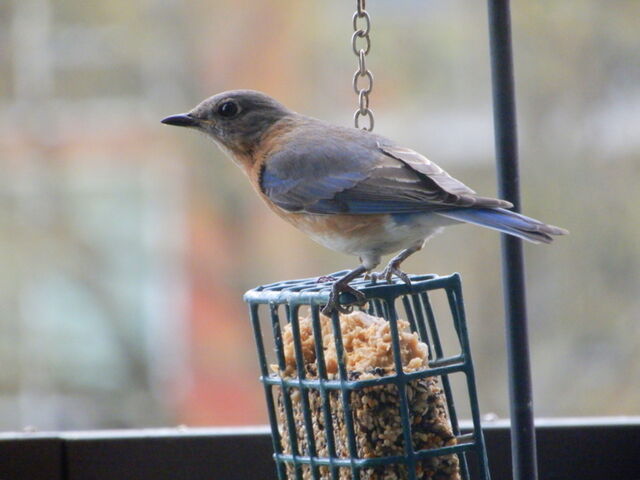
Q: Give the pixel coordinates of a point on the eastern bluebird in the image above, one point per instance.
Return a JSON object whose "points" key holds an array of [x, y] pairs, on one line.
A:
{"points": [[348, 189]]}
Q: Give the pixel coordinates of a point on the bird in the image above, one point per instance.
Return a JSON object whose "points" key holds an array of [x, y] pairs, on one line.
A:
{"points": [[348, 189]]}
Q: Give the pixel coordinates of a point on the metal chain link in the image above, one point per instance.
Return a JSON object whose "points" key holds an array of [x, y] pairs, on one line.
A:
{"points": [[361, 34]]}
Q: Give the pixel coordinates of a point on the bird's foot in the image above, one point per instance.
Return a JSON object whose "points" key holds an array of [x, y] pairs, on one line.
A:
{"points": [[326, 278], [333, 305], [389, 271]]}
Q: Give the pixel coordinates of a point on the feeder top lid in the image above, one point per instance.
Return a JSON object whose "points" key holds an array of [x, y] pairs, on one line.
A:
{"points": [[314, 291]]}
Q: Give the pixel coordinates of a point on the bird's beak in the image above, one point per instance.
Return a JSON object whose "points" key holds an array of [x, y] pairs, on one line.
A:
{"points": [[181, 120]]}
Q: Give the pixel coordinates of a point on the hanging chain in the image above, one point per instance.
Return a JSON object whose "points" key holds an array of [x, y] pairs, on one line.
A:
{"points": [[362, 33]]}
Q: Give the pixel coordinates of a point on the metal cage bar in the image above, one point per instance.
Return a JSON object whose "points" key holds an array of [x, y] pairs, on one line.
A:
{"points": [[345, 397], [402, 391], [322, 376], [304, 393], [523, 442], [341, 386], [456, 302], [285, 392]]}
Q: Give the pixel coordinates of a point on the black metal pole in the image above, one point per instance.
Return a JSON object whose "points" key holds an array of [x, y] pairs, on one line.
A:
{"points": [[523, 442]]}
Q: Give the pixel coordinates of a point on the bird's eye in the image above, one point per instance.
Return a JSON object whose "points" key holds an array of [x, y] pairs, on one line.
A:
{"points": [[228, 109]]}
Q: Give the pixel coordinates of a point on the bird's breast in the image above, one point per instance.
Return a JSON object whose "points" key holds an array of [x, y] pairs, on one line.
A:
{"points": [[351, 234], [365, 235]]}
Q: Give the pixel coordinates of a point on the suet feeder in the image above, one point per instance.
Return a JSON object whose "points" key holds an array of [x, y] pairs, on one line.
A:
{"points": [[330, 419]]}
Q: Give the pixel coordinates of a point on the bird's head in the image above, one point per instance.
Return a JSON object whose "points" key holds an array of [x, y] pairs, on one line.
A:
{"points": [[236, 119]]}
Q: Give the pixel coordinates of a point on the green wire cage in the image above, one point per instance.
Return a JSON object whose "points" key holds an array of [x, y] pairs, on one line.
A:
{"points": [[316, 430]]}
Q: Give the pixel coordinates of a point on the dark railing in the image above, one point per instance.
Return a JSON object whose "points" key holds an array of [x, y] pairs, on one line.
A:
{"points": [[585, 449]]}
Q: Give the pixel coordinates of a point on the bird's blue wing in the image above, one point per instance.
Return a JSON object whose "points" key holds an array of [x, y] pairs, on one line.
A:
{"points": [[311, 172], [354, 173]]}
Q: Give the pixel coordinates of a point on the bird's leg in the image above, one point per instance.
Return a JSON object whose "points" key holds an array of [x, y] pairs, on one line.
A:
{"points": [[342, 286], [393, 267]]}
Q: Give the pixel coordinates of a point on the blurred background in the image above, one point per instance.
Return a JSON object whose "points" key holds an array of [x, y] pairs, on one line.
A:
{"points": [[125, 246]]}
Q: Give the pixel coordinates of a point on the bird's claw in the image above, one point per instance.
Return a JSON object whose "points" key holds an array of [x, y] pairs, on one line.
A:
{"points": [[400, 274], [388, 272], [333, 305]]}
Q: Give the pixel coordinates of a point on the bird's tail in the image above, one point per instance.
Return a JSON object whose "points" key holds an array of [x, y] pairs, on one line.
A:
{"points": [[506, 221]]}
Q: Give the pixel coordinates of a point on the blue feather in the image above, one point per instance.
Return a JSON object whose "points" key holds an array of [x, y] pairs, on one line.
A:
{"points": [[315, 188], [272, 183], [505, 221]]}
